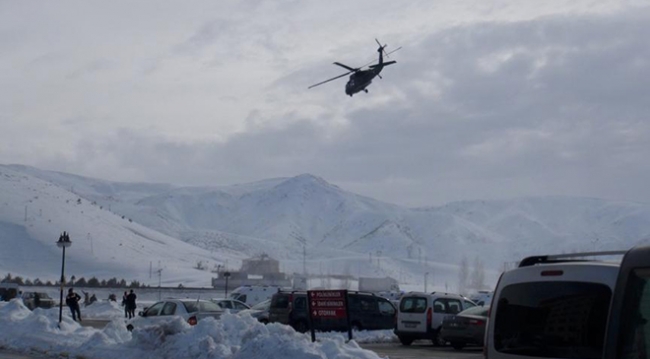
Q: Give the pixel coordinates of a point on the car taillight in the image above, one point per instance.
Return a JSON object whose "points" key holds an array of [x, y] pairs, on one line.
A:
{"points": [[476, 322], [429, 317], [192, 320], [552, 273]]}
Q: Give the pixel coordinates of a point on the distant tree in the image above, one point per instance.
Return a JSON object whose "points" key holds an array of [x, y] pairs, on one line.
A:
{"points": [[111, 282], [122, 283], [93, 282], [18, 280], [463, 275], [37, 282], [28, 282], [181, 285], [49, 284], [478, 274], [81, 282], [134, 284], [8, 278], [102, 283]]}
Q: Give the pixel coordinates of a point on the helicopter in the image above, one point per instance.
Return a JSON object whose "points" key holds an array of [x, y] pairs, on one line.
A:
{"points": [[361, 79]]}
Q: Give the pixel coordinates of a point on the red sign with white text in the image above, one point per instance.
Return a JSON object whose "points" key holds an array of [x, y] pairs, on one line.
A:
{"points": [[327, 303]]}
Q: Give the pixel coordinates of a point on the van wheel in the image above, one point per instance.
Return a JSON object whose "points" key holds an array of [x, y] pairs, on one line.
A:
{"points": [[405, 340], [437, 340], [301, 326]]}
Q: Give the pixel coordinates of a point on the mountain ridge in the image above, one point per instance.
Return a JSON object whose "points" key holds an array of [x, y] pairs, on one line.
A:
{"points": [[279, 216]]}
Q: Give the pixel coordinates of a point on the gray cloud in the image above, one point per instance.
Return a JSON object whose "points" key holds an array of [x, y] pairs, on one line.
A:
{"points": [[551, 105]]}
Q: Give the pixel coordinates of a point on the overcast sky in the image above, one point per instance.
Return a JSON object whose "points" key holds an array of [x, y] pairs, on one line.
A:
{"points": [[488, 99]]}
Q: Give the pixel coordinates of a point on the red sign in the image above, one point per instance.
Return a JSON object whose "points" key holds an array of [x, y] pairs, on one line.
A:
{"points": [[327, 303]]}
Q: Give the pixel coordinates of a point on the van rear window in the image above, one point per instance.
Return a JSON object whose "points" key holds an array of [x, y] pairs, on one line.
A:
{"points": [[280, 301], [552, 319], [413, 305]]}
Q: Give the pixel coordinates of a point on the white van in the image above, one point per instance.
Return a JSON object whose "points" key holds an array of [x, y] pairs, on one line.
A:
{"points": [[254, 294], [552, 306], [420, 315]]}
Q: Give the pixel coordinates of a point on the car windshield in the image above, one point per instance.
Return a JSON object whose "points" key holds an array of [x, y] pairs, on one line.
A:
{"points": [[265, 305], [479, 311], [202, 306]]}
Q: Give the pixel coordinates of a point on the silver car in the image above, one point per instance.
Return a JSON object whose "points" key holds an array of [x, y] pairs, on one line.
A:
{"points": [[191, 310], [233, 305]]}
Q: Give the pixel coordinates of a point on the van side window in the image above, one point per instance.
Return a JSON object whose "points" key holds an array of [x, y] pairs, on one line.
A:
{"points": [[386, 308], [300, 303], [439, 306], [635, 324], [454, 306], [368, 304]]}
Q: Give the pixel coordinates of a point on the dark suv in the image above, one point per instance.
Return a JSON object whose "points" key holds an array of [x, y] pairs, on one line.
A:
{"points": [[367, 312]]}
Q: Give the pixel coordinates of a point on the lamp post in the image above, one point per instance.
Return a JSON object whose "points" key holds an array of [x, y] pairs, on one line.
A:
{"points": [[63, 242], [226, 275], [426, 279]]}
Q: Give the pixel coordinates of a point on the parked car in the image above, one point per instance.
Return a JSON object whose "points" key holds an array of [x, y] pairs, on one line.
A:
{"points": [[553, 307], [420, 315], [253, 294], [367, 311], [33, 300], [465, 328], [482, 297], [9, 291], [233, 305], [259, 311], [191, 310]]}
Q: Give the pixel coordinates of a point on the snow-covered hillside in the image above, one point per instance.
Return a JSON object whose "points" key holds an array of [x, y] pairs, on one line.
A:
{"points": [[132, 225]]}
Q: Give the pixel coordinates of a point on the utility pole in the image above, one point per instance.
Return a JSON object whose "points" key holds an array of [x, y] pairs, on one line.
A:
{"points": [[90, 239]]}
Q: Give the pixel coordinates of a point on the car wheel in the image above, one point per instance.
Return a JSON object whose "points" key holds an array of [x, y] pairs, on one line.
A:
{"points": [[458, 346], [129, 327], [437, 340], [301, 326], [405, 340]]}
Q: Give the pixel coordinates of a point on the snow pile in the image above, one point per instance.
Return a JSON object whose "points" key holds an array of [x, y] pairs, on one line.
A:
{"points": [[232, 337]]}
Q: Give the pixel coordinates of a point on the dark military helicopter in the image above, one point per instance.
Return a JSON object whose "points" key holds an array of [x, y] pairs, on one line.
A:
{"points": [[361, 79]]}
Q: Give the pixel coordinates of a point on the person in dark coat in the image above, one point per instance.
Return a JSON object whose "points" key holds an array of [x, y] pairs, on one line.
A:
{"points": [[126, 307], [130, 304], [72, 300]]}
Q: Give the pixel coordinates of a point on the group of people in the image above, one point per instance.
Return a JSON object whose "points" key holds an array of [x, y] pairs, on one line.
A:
{"points": [[72, 300], [128, 302]]}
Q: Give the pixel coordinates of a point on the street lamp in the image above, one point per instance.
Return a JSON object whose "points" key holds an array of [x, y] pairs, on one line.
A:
{"points": [[226, 275], [63, 242], [426, 277]]}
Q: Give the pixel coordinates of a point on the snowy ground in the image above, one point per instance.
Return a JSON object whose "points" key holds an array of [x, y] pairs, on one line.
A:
{"points": [[233, 336]]}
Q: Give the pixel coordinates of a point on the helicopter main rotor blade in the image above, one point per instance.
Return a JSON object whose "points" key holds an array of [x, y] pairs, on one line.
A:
{"points": [[332, 79], [345, 67], [388, 53]]}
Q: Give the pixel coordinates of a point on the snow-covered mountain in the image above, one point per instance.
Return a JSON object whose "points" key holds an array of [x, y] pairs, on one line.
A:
{"points": [[124, 229]]}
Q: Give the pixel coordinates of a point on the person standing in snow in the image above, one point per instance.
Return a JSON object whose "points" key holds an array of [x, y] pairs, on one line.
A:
{"points": [[130, 304], [72, 300], [126, 307]]}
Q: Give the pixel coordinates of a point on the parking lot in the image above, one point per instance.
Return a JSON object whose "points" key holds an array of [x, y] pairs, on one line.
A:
{"points": [[424, 350]]}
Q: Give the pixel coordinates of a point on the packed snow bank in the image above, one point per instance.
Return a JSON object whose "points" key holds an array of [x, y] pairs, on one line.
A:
{"points": [[231, 337]]}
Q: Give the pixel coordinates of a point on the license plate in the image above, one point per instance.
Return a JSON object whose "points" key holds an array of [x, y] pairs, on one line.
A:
{"points": [[410, 325]]}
